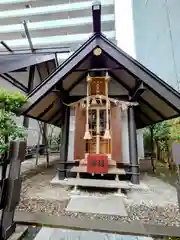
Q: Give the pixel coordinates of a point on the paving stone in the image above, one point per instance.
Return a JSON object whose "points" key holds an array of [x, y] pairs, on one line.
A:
{"points": [[109, 205], [45, 234], [64, 234], [19, 233]]}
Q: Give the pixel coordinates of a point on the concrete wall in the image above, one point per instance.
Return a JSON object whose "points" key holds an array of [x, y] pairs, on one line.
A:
{"points": [[156, 37], [149, 31], [71, 135]]}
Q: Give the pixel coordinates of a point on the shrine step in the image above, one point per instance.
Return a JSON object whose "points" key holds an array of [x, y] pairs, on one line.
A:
{"points": [[96, 183], [112, 170]]}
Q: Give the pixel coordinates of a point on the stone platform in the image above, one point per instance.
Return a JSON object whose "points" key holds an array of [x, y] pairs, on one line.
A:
{"points": [[97, 183], [108, 205]]}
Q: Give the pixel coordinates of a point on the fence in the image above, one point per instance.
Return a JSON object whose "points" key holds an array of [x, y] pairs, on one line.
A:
{"points": [[10, 188]]}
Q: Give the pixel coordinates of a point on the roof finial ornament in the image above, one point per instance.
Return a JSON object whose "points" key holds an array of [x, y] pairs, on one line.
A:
{"points": [[96, 13]]}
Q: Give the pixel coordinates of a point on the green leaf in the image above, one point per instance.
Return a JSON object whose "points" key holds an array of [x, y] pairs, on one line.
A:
{"points": [[10, 102]]}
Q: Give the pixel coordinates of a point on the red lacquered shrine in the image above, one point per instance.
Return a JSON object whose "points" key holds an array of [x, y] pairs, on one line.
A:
{"points": [[97, 144]]}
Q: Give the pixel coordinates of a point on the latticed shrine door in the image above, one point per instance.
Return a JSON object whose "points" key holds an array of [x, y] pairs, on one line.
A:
{"points": [[105, 144], [79, 142], [91, 144], [116, 134]]}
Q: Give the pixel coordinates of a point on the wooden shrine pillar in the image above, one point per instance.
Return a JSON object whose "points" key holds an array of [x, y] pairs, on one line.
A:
{"points": [[116, 134], [133, 152], [79, 142], [64, 143]]}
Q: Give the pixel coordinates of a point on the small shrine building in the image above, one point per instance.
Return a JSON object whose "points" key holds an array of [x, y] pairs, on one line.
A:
{"points": [[99, 97]]}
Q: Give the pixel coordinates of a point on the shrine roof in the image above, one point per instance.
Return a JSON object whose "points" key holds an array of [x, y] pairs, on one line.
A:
{"points": [[14, 61], [159, 101]]}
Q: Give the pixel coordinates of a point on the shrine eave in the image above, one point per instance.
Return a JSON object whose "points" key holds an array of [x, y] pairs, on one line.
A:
{"points": [[15, 61], [157, 100]]}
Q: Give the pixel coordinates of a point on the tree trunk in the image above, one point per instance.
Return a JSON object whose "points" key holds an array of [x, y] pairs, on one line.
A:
{"points": [[157, 151]]}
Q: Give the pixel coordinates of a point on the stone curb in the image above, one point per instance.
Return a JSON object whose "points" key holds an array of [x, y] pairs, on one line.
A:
{"points": [[133, 228]]}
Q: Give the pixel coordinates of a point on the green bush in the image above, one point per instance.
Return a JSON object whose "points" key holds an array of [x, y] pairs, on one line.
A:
{"points": [[10, 102]]}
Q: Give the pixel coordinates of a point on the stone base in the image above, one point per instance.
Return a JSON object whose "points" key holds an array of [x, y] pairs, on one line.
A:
{"points": [[96, 183], [108, 205]]}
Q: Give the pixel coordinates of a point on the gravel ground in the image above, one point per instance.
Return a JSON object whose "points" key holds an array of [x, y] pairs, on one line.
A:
{"points": [[153, 215], [38, 195]]}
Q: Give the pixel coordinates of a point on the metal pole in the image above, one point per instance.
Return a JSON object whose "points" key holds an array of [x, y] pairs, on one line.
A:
{"points": [[6, 47]]}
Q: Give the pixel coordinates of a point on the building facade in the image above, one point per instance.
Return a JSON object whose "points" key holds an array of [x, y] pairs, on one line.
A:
{"points": [[52, 24]]}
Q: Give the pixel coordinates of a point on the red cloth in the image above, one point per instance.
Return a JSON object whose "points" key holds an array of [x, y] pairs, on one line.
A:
{"points": [[97, 163]]}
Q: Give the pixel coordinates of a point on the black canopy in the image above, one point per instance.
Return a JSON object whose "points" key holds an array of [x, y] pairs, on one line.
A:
{"points": [[158, 102]]}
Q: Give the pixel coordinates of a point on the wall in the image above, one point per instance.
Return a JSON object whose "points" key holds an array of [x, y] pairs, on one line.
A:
{"points": [[156, 35], [71, 135], [125, 137], [149, 31]]}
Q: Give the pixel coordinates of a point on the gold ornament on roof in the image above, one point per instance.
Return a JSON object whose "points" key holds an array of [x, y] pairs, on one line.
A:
{"points": [[97, 51]]}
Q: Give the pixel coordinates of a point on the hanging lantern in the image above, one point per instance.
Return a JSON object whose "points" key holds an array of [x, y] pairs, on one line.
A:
{"points": [[87, 135], [107, 134]]}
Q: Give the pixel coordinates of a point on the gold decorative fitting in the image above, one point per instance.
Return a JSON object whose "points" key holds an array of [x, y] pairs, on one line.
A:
{"points": [[94, 102], [97, 51], [107, 135], [107, 78], [87, 136], [83, 105], [89, 79]]}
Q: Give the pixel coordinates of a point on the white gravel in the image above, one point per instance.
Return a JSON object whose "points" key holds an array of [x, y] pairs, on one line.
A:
{"points": [[159, 194], [158, 205]]}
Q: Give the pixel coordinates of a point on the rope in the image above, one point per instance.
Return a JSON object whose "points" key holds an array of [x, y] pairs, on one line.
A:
{"points": [[102, 97]]}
